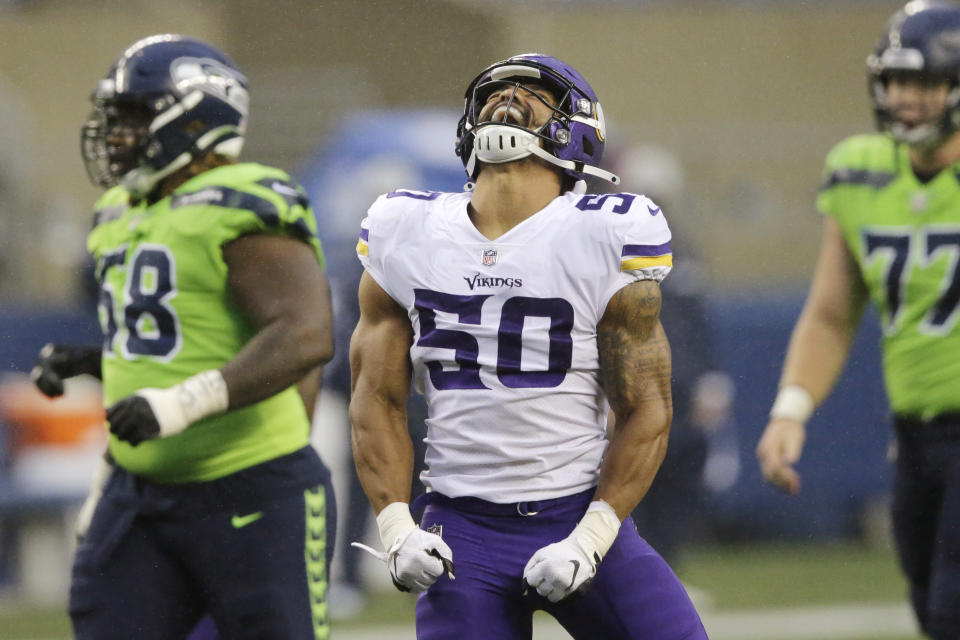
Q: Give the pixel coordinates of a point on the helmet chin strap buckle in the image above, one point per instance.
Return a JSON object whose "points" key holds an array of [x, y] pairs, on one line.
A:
{"points": [[142, 180]]}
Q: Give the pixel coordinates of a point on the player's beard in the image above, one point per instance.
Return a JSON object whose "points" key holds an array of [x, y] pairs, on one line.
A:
{"points": [[122, 161], [125, 146]]}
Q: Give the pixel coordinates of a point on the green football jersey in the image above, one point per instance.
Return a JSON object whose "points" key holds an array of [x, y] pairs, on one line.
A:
{"points": [[166, 313], [905, 236]]}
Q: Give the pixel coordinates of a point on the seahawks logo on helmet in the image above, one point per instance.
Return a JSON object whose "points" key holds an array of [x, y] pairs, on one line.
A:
{"points": [[213, 77]]}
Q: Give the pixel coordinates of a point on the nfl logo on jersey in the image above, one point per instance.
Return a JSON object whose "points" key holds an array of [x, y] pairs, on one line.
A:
{"points": [[489, 257]]}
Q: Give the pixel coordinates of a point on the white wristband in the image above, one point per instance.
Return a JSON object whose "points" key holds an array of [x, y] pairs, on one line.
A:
{"points": [[394, 521], [597, 530], [793, 403], [197, 397]]}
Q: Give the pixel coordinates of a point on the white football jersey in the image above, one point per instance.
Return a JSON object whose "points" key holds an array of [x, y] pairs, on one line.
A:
{"points": [[505, 331]]}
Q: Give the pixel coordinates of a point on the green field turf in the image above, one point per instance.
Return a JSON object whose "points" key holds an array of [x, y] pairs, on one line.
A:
{"points": [[735, 577], [791, 575]]}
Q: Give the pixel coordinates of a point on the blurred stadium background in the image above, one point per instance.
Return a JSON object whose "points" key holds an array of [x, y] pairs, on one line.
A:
{"points": [[355, 97]]}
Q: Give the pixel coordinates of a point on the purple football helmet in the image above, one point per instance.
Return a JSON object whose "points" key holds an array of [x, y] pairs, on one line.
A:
{"points": [[185, 97], [572, 138], [920, 40]]}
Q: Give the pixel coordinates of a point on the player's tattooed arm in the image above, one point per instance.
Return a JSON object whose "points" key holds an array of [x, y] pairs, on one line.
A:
{"points": [[635, 374]]}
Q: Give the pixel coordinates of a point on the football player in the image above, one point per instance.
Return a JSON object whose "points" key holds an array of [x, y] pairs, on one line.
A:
{"points": [[214, 307], [891, 235], [520, 308]]}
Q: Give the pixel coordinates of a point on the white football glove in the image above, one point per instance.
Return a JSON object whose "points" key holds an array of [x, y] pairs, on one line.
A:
{"points": [[563, 568], [416, 558]]}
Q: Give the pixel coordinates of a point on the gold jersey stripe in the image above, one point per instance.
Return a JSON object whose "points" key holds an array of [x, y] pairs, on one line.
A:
{"points": [[632, 264]]}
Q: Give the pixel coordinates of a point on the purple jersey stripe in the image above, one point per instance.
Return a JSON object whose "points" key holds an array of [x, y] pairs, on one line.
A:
{"points": [[645, 250], [416, 195], [365, 235]]}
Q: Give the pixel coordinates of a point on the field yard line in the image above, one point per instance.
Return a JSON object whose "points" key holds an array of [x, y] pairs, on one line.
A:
{"points": [[795, 623]]}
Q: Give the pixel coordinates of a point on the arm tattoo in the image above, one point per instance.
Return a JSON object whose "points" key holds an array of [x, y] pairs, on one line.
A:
{"points": [[633, 348]]}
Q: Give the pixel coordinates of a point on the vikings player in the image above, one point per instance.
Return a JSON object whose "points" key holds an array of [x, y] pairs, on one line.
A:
{"points": [[524, 310]]}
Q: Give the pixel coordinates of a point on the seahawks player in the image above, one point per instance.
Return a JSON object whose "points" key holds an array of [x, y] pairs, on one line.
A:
{"points": [[520, 309], [214, 307], [892, 235]]}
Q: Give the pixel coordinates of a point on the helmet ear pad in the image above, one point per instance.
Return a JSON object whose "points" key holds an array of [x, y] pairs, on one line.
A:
{"points": [[575, 141]]}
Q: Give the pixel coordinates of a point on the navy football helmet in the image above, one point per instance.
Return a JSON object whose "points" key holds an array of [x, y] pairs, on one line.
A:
{"points": [[166, 100], [923, 39], [572, 138]]}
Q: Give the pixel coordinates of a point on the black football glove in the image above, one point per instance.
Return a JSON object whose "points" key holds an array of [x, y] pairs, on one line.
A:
{"points": [[161, 413], [132, 419], [57, 362]]}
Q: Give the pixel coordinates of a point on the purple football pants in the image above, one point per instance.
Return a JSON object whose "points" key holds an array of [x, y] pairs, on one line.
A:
{"points": [[634, 595]]}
